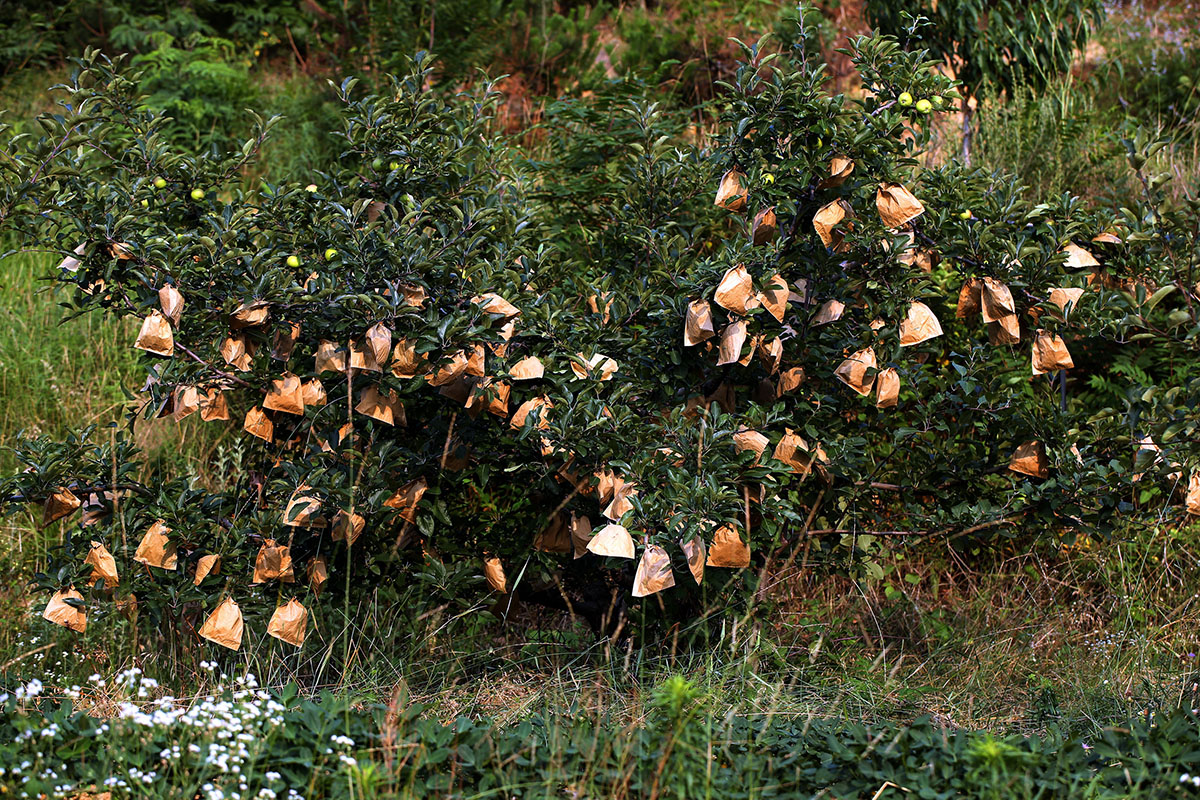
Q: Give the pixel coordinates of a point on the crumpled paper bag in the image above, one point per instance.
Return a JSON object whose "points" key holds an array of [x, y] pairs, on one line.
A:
{"points": [[286, 395], [731, 194], [612, 540], [728, 549], [830, 216], [696, 554], [653, 572], [386, 408], [735, 292], [258, 424], [853, 371], [60, 612], [347, 525], [61, 504], [493, 570], [897, 206], [289, 623], [104, 566], [171, 303], [775, 297], [887, 388], [155, 336], [274, 562], [697, 323], [1050, 353], [224, 626], [764, 228], [329, 357], [407, 497], [529, 368], [206, 566], [1030, 459], [920, 325], [156, 549]]}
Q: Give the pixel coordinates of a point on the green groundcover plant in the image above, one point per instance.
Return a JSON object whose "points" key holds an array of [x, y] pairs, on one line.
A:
{"points": [[633, 352]]}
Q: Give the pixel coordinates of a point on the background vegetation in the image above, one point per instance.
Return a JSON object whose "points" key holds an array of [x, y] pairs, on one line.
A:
{"points": [[1066, 641]]}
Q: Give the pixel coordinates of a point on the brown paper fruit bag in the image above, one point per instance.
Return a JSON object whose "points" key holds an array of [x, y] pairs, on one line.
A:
{"points": [[155, 336], [1050, 353], [289, 623], [746, 439], [581, 534], [379, 340], [854, 371], [302, 509], [61, 504], [920, 325], [728, 549], [312, 392], [839, 169], [386, 408], [347, 525], [764, 228], [970, 298], [286, 395], [775, 297], [1193, 494], [653, 572], [492, 303], [156, 549], [696, 554], [698, 323], [407, 497], [258, 424], [406, 363], [329, 357], [732, 194], [997, 300], [60, 612], [613, 541], [529, 368], [1030, 459], [493, 570], [213, 406], [206, 566], [1078, 257], [104, 566], [735, 292], [830, 311], [224, 625], [829, 217], [897, 206], [274, 562], [1067, 299], [555, 537], [285, 341], [171, 303], [250, 315], [887, 388], [1005, 330], [318, 574], [732, 339]]}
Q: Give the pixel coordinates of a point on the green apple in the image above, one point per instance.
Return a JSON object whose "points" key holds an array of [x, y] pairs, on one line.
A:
{"points": [[938, 101], [145, 203], [395, 165], [160, 183], [377, 164], [312, 187], [293, 261], [965, 214], [905, 99], [924, 106], [197, 194], [330, 253]]}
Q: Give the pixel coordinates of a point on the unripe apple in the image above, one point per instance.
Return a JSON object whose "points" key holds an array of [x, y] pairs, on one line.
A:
{"points": [[145, 203], [160, 182], [965, 214], [905, 99], [938, 101], [330, 253], [312, 187], [395, 165], [924, 106], [377, 164], [197, 194], [293, 261]]}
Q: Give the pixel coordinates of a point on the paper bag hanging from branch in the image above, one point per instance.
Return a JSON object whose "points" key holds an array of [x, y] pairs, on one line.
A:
{"points": [[250, 315], [362, 356], [764, 228], [379, 342], [853, 371], [450, 371], [774, 298], [476, 365], [60, 612], [793, 451], [285, 341], [258, 424], [1067, 299], [274, 562], [555, 537], [187, 402], [318, 574], [289, 623], [492, 303], [224, 625], [997, 300], [830, 311], [347, 525], [653, 572], [897, 205], [540, 405], [839, 169], [732, 339], [1030, 459], [155, 336], [302, 509], [286, 395], [235, 350], [407, 497], [1193, 494], [492, 395], [829, 217], [312, 392], [206, 566], [104, 566], [735, 292], [529, 368], [580, 528], [386, 408], [329, 357], [1050, 353], [1006, 330], [696, 554], [156, 549], [970, 298], [493, 570], [920, 325], [171, 303], [599, 367], [1078, 257], [213, 406], [406, 363], [71, 263], [790, 380], [771, 354], [728, 549], [887, 388], [613, 541], [61, 504], [732, 194], [754, 441], [698, 323]]}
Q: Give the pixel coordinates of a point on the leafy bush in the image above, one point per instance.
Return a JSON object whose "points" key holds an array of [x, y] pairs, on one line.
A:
{"points": [[440, 352]]}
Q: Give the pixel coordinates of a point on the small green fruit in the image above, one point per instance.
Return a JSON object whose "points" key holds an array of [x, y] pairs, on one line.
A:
{"points": [[312, 187], [197, 194], [395, 165], [768, 178], [905, 99], [160, 183], [924, 106], [938, 101], [145, 203], [293, 261], [330, 253], [965, 214], [377, 164]]}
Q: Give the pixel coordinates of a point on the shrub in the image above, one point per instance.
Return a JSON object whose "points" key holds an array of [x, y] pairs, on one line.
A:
{"points": [[441, 353]]}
